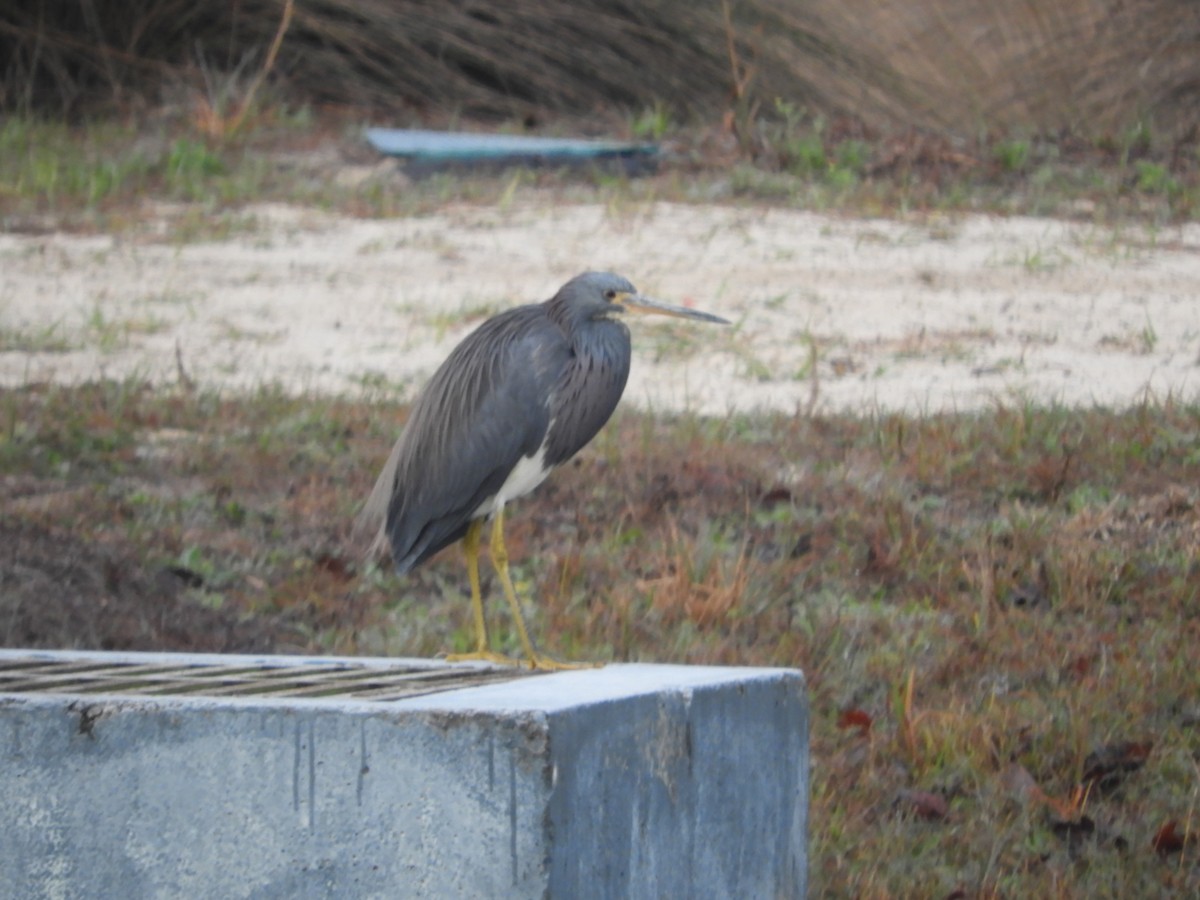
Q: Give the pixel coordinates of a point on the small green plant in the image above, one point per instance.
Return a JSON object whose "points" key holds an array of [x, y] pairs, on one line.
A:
{"points": [[1136, 141], [651, 124], [1149, 337], [1012, 155], [52, 164], [190, 168], [107, 334], [804, 155], [853, 155], [797, 141], [1038, 259], [757, 183], [1155, 178]]}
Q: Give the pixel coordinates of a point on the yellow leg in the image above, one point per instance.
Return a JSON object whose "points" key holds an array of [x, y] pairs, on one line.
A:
{"points": [[482, 651], [471, 546], [500, 561]]}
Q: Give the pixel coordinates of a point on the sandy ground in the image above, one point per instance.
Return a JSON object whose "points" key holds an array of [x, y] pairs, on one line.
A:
{"points": [[950, 314]]}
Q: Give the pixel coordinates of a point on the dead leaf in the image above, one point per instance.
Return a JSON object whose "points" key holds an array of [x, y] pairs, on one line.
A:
{"points": [[925, 804], [856, 718], [1107, 767], [1169, 839], [1027, 595], [1021, 785], [1073, 830], [1018, 782], [190, 577], [333, 565], [774, 497]]}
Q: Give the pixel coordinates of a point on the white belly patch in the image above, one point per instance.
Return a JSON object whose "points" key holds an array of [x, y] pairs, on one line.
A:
{"points": [[528, 473]]}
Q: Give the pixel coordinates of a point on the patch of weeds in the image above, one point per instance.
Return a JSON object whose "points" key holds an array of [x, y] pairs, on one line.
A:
{"points": [[849, 161], [147, 324], [669, 342], [1038, 260], [379, 386], [804, 155], [196, 224], [801, 147], [228, 330], [1155, 178], [756, 183], [652, 124], [190, 168], [796, 139], [756, 369], [71, 432], [1148, 337], [1012, 155], [1135, 142], [170, 296], [107, 334], [49, 163], [808, 369], [1141, 341], [46, 339], [445, 321]]}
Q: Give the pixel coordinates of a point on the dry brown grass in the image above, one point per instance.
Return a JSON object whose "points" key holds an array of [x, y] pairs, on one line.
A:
{"points": [[514, 59], [1088, 66], [1035, 66]]}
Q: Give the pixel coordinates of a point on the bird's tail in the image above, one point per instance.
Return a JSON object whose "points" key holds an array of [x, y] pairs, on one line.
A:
{"points": [[370, 526]]}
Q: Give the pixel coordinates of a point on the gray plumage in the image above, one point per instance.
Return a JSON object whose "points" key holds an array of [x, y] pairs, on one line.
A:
{"points": [[523, 393]]}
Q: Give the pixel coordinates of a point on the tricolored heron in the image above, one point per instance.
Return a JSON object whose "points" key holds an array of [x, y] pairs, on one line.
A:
{"points": [[519, 396]]}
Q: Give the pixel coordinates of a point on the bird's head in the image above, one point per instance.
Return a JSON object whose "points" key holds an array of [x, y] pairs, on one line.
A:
{"points": [[596, 295]]}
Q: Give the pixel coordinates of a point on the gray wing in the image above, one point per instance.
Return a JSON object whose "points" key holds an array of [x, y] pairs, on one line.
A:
{"points": [[485, 408]]}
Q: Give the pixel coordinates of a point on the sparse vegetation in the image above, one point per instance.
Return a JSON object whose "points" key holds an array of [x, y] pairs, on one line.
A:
{"points": [[99, 177], [995, 612], [47, 339]]}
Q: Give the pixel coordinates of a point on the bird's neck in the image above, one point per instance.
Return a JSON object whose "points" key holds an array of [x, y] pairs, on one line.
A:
{"points": [[605, 336], [607, 333]]}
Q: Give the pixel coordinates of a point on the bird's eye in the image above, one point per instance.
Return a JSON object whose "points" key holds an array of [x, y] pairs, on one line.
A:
{"points": [[610, 294]]}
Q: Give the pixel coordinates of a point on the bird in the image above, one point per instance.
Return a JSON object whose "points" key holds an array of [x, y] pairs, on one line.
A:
{"points": [[517, 398]]}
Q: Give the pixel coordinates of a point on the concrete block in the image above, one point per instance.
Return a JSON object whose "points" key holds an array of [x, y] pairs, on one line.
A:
{"points": [[626, 781]]}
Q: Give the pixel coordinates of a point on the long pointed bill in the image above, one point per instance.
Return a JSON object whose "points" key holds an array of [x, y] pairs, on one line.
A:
{"points": [[640, 303]]}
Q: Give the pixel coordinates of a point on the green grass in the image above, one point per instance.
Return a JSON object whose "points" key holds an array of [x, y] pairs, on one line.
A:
{"points": [[98, 175], [996, 613], [51, 164]]}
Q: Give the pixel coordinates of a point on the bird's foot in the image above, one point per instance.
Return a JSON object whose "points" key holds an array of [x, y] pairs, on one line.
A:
{"points": [[536, 661], [550, 664], [490, 656]]}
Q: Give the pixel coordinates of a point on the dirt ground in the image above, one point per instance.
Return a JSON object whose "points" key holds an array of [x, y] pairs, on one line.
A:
{"points": [[59, 589], [939, 314]]}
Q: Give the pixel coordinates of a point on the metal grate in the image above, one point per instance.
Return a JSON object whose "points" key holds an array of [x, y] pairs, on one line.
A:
{"points": [[342, 680]]}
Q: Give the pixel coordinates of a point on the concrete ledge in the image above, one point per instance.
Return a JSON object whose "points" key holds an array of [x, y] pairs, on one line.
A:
{"points": [[627, 781]]}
